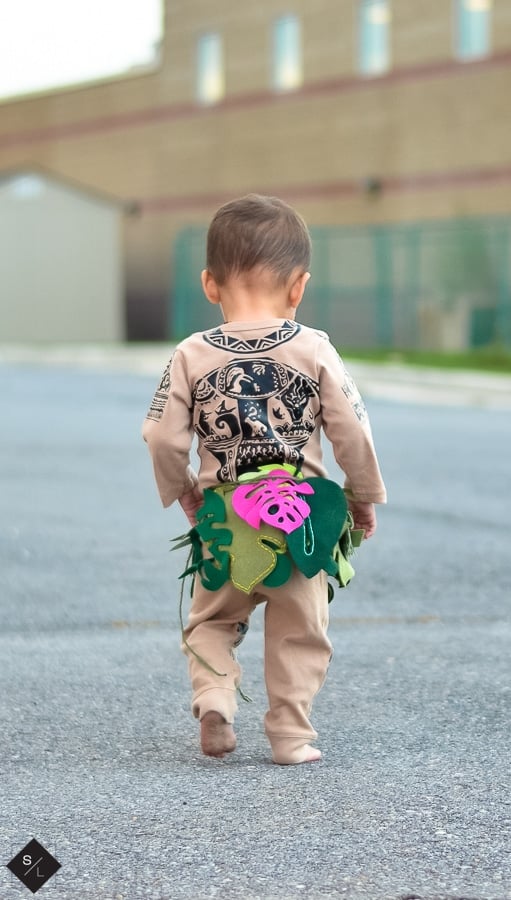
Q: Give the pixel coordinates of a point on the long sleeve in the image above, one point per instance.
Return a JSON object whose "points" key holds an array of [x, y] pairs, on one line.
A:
{"points": [[168, 432], [346, 425]]}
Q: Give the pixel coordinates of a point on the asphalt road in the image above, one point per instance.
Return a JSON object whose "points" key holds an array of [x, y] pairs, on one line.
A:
{"points": [[99, 757]]}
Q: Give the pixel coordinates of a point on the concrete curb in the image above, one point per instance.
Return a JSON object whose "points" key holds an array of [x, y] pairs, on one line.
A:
{"points": [[440, 387], [388, 381]]}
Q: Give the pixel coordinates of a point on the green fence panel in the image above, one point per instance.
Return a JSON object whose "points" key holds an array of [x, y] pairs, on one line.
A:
{"points": [[439, 285]]}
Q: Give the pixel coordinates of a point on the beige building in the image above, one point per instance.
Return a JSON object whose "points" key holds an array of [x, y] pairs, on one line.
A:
{"points": [[61, 261], [377, 111]]}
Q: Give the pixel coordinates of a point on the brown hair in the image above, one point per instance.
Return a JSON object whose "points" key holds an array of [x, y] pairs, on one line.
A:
{"points": [[257, 232]]}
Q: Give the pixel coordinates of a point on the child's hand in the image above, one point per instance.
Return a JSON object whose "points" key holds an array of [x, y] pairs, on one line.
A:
{"points": [[364, 516], [190, 503]]}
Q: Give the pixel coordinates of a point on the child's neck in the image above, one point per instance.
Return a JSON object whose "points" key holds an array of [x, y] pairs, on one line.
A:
{"points": [[253, 315], [251, 306]]}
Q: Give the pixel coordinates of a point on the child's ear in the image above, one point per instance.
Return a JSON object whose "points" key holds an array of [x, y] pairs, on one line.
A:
{"points": [[209, 286], [298, 288]]}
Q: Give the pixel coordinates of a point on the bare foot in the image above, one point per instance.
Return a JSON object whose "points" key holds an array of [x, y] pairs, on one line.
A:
{"points": [[312, 754], [217, 736], [304, 754]]}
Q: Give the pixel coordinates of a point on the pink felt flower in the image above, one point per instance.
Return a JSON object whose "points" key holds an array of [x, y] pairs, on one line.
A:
{"points": [[273, 500]]}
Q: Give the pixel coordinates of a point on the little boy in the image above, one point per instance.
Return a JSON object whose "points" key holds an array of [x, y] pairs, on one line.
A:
{"points": [[256, 392]]}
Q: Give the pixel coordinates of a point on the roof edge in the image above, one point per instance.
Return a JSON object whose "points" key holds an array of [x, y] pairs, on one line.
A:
{"points": [[73, 184]]}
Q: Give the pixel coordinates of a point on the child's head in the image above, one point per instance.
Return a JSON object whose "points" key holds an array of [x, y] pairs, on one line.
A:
{"points": [[258, 235]]}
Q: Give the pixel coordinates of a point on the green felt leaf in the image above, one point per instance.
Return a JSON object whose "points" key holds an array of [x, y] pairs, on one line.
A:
{"points": [[214, 571], [349, 540], [248, 557], [253, 554], [357, 536], [311, 546], [281, 573], [270, 467], [345, 571]]}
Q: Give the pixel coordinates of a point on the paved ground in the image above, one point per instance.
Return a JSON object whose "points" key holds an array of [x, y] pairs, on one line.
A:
{"points": [[98, 752]]}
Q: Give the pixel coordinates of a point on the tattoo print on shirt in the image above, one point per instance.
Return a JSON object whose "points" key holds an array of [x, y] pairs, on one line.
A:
{"points": [[252, 412], [237, 344], [352, 394], [161, 396]]}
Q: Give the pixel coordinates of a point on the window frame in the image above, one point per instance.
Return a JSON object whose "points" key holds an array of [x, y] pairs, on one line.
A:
{"points": [[457, 13], [278, 83], [362, 5], [202, 95]]}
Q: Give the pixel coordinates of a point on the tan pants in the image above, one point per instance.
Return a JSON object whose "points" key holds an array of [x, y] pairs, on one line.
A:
{"points": [[297, 653]]}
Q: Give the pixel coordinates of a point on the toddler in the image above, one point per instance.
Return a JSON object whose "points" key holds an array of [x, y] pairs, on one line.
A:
{"points": [[256, 392]]}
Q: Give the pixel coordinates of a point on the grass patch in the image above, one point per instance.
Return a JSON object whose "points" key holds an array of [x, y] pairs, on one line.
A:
{"points": [[484, 360]]}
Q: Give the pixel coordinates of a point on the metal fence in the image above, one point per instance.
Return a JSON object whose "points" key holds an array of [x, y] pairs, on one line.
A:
{"points": [[439, 285]]}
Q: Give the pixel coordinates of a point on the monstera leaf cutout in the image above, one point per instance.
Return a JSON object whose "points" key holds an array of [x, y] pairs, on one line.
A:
{"points": [[254, 556], [311, 546], [249, 557], [282, 571], [214, 571], [273, 500]]}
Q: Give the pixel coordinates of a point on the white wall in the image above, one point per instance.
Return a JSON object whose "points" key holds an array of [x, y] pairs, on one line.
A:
{"points": [[60, 263]]}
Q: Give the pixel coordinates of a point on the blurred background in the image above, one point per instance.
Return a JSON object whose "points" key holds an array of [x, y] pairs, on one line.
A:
{"points": [[124, 124]]}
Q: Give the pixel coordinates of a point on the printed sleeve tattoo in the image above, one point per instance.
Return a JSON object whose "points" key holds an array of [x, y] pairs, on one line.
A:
{"points": [[352, 394], [161, 395]]}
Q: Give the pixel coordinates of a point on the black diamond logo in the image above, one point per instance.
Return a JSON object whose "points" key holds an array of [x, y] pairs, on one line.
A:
{"points": [[33, 865]]}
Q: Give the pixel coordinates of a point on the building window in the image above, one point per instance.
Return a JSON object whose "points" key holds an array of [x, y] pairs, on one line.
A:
{"points": [[210, 69], [287, 54], [374, 21], [473, 23]]}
